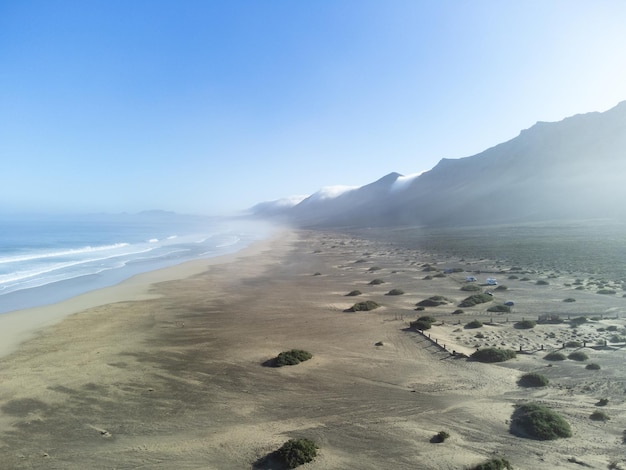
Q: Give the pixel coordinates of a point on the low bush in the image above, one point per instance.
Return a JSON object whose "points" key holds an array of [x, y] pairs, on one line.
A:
{"points": [[578, 356], [364, 306], [354, 293], [569, 299], [513, 276], [420, 325], [395, 292], [475, 300], [493, 355], [434, 301], [525, 324], [375, 282], [458, 311], [296, 452], [374, 268], [617, 339], [607, 291], [536, 421], [471, 287], [500, 308], [533, 379], [494, 464], [474, 324], [542, 282], [578, 321], [611, 328], [592, 366], [599, 416], [427, 318], [501, 288], [292, 357], [602, 402], [441, 436], [554, 356], [573, 344], [552, 318]]}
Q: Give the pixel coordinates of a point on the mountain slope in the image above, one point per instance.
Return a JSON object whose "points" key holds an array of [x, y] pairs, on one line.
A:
{"points": [[572, 169]]}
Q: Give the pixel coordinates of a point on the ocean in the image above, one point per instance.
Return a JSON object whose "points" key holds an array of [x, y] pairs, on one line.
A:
{"points": [[45, 259]]}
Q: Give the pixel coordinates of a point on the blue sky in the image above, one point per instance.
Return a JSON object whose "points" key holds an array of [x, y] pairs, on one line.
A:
{"points": [[212, 106]]}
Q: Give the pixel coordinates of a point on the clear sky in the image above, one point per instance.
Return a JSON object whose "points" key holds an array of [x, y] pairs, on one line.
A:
{"points": [[212, 106]]}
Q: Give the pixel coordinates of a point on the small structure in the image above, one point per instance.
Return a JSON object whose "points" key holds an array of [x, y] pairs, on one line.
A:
{"points": [[470, 279], [491, 281]]}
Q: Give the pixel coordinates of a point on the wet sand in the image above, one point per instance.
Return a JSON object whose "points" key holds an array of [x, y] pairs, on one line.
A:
{"points": [[166, 370]]}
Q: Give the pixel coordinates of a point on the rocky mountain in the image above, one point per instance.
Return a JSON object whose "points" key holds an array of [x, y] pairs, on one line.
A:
{"points": [[571, 169]]}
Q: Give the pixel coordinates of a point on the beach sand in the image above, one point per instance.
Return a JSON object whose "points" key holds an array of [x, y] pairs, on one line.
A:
{"points": [[166, 370]]}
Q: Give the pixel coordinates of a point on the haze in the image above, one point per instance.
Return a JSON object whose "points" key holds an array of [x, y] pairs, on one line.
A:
{"points": [[212, 107]]}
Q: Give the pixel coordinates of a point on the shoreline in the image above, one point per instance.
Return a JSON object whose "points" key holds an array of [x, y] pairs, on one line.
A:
{"points": [[18, 326], [174, 377]]}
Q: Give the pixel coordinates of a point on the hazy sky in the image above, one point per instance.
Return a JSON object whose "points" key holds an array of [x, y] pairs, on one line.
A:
{"points": [[212, 106]]}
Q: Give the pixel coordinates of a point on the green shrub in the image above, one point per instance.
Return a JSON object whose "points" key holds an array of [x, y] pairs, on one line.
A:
{"points": [[395, 292], [569, 299], [607, 291], [297, 452], [364, 306], [542, 282], [501, 288], [427, 318], [525, 279], [420, 325], [441, 436], [617, 339], [533, 379], [377, 281], [458, 311], [525, 324], [573, 344], [434, 301], [592, 366], [474, 324], [578, 356], [475, 300], [599, 416], [539, 422], [602, 402], [554, 356], [374, 268], [580, 288], [354, 293], [500, 308], [493, 355], [471, 287], [494, 464], [292, 357], [513, 276], [612, 328], [439, 275], [578, 321]]}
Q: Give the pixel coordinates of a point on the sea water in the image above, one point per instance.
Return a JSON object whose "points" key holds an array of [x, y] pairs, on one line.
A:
{"points": [[46, 259]]}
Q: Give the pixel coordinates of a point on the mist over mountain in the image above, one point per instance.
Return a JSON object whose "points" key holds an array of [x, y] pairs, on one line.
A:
{"points": [[568, 170]]}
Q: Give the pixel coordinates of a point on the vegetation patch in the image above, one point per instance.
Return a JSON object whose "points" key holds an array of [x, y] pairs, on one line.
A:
{"points": [[554, 356], [578, 356], [536, 421], [475, 300], [602, 402], [607, 291], [377, 281], [569, 299], [434, 301], [599, 416], [533, 379], [551, 318], [441, 436], [296, 452], [493, 355], [542, 282], [474, 324], [374, 268], [458, 311], [500, 308], [427, 318], [395, 292], [494, 464], [471, 287], [291, 357], [525, 324], [578, 321], [573, 344], [513, 276], [354, 293], [501, 288], [421, 325], [593, 366], [363, 306]]}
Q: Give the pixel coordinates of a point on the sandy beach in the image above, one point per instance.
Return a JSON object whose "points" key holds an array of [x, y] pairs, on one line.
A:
{"points": [[166, 370]]}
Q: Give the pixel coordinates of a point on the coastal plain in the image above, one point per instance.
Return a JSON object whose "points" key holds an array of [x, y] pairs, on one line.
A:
{"points": [[169, 370]]}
